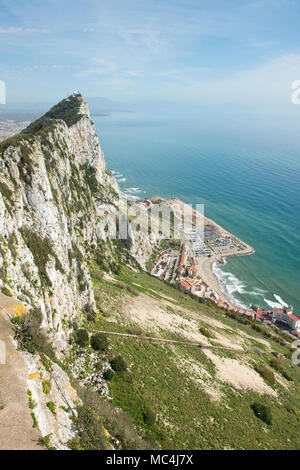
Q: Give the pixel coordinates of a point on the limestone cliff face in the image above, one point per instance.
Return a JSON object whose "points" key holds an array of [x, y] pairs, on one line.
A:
{"points": [[54, 190]]}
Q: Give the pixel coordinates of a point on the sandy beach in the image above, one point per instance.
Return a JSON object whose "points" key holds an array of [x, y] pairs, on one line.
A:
{"points": [[205, 270]]}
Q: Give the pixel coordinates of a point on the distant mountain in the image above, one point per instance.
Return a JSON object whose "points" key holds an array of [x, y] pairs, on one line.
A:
{"points": [[101, 106]]}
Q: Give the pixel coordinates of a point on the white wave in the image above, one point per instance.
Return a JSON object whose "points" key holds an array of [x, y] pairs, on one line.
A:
{"points": [[255, 292], [122, 180], [261, 291], [272, 304], [279, 304], [279, 299], [230, 285], [133, 190]]}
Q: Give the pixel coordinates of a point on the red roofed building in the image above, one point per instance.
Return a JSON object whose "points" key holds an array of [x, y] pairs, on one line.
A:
{"points": [[192, 270], [264, 316], [288, 317]]}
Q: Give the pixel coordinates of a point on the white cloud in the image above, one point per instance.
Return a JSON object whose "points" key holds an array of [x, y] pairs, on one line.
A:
{"points": [[15, 30], [145, 37], [133, 73], [267, 85], [102, 67]]}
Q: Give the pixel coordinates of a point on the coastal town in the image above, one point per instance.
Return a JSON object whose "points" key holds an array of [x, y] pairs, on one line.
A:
{"points": [[190, 267], [11, 127]]}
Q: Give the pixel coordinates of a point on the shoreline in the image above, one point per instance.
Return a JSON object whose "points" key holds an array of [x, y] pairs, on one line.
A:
{"points": [[218, 253], [206, 271]]}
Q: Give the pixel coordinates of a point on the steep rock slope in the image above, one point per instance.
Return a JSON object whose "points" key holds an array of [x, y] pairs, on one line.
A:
{"points": [[54, 190]]}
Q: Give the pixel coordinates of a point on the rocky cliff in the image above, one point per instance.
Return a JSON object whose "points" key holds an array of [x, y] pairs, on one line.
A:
{"points": [[54, 193]]}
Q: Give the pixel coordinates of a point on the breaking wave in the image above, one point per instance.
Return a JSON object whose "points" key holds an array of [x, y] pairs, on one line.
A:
{"points": [[279, 304], [232, 286]]}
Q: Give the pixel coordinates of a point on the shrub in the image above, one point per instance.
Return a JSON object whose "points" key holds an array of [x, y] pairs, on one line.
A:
{"points": [[31, 403], [98, 298], [115, 421], [118, 364], [90, 433], [82, 338], [46, 362], [262, 412], [286, 376], [131, 290], [108, 374], [135, 330], [206, 332], [149, 417], [6, 292], [46, 442], [275, 363], [35, 423], [98, 275], [99, 342], [267, 374], [30, 336], [46, 386], [98, 366], [51, 406]]}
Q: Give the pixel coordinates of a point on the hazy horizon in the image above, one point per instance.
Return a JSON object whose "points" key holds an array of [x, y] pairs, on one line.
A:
{"points": [[217, 54]]}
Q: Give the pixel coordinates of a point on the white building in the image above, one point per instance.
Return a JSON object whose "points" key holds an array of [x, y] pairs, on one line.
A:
{"points": [[287, 316]]}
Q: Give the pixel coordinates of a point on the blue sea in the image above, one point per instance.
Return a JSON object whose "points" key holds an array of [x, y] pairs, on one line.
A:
{"points": [[244, 168]]}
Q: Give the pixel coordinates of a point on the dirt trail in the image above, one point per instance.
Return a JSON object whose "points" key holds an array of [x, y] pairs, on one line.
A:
{"points": [[16, 431]]}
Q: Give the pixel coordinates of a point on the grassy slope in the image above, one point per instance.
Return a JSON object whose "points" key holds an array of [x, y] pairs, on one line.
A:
{"points": [[186, 415]]}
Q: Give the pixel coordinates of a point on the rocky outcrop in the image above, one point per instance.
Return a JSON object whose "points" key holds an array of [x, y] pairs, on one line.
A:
{"points": [[57, 199], [54, 189]]}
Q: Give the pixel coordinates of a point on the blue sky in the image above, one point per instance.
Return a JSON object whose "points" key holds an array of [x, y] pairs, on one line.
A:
{"points": [[206, 52]]}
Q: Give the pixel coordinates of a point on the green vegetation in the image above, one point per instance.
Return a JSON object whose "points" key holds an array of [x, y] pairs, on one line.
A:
{"points": [[45, 442], [275, 363], [130, 289], [108, 375], [52, 407], [99, 342], [149, 417], [14, 141], [35, 424], [185, 415], [46, 386], [41, 249], [267, 374], [30, 336], [47, 363], [67, 110], [262, 412], [82, 338], [7, 292], [204, 331], [97, 416], [31, 403], [118, 364]]}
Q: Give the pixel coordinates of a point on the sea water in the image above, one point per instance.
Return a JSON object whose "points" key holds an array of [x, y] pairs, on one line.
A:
{"points": [[244, 168]]}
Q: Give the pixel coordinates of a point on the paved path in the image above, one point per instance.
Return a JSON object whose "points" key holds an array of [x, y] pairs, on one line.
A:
{"points": [[16, 431]]}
